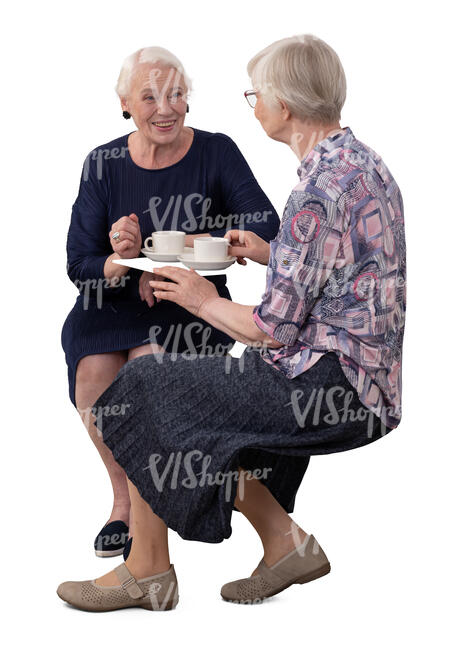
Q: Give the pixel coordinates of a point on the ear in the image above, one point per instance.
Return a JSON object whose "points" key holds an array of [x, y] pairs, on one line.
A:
{"points": [[284, 110], [124, 105]]}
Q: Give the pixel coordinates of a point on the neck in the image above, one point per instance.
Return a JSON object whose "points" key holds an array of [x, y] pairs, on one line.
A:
{"points": [[154, 154], [304, 137]]}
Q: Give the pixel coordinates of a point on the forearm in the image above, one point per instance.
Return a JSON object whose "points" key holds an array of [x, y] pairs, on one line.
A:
{"points": [[235, 320], [113, 271]]}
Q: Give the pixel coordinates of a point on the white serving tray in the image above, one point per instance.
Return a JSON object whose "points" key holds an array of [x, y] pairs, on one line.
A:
{"points": [[145, 264]]}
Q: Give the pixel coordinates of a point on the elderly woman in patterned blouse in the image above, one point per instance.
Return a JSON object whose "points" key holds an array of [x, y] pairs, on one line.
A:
{"points": [[321, 373]]}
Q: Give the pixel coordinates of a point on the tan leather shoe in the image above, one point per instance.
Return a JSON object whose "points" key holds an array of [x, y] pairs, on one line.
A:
{"points": [[159, 592], [305, 563]]}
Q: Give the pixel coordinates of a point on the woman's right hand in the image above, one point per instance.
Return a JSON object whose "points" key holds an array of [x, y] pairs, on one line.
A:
{"points": [[129, 242], [245, 243]]}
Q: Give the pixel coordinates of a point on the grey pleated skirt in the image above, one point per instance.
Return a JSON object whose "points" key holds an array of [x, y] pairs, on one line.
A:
{"points": [[181, 427]]}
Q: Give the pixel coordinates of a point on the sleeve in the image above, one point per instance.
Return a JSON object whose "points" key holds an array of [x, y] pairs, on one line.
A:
{"points": [[301, 259], [246, 206], [87, 241]]}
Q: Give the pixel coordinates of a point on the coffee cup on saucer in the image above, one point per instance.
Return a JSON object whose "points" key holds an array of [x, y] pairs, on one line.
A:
{"points": [[169, 242], [210, 249]]}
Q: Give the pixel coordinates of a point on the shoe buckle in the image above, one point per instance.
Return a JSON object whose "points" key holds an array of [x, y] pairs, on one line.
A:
{"points": [[132, 588], [128, 582]]}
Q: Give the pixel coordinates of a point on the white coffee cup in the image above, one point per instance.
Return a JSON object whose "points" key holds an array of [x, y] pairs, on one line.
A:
{"points": [[210, 249], [166, 241]]}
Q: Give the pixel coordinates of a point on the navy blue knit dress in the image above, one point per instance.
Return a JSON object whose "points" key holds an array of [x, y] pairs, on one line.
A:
{"points": [[210, 190]]}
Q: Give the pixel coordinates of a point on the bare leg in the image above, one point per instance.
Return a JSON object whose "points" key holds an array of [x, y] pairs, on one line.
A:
{"points": [[148, 348], [150, 550], [278, 532], [150, 553], [93, 376]]}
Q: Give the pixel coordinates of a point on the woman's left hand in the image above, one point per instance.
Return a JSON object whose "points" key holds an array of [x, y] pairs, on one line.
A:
{"points": [[187, 289], [144, 289]]}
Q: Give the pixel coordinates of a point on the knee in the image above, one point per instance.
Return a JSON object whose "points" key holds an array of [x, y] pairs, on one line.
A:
{"points": [[95, 371]]}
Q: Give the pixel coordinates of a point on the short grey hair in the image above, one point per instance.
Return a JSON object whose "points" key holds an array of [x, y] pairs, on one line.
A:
{"points": [[305, 73], [148, 55]]}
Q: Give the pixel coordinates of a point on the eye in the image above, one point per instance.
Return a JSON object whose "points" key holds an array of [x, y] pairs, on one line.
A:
{"points": [[149, 98]]}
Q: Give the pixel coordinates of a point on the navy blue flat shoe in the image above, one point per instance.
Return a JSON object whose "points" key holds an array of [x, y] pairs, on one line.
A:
{"points": [[112, 539], [127, 548]]}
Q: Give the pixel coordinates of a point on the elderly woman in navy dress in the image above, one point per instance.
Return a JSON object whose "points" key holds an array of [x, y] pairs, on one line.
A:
{"points": [[163, 176], [321, 373]]}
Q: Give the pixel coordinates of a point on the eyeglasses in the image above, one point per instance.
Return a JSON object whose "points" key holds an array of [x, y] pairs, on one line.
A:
{"points": [[251, 97]]}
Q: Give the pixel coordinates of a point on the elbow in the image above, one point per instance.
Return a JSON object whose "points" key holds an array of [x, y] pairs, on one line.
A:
{"points": [[267, 227], [273, 343], [262, 339], [76, 274], [72, 273], [87, 270], [269, 342], [274, 224]]}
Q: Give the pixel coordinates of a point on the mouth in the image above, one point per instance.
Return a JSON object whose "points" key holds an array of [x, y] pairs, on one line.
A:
{"points": [[164, 125]]}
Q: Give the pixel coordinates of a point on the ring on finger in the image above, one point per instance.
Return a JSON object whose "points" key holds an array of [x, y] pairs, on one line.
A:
{"points": [[116, 236]]}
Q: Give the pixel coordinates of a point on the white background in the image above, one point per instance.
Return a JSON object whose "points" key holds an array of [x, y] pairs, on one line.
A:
{"points": [[385, 514]]}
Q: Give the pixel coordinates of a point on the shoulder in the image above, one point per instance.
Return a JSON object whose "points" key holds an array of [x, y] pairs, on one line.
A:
{"points": [[104, 155], [111, 146], [113, 150], [216, 142], [352, 168], [358, 165]]}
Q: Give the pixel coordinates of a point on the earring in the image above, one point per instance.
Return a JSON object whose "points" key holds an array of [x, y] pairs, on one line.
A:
{"points": [[126, 115], [187, 108]]}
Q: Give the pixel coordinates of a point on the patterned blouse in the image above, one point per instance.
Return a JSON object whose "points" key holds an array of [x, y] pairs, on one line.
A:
{"points": [[336, 278]]}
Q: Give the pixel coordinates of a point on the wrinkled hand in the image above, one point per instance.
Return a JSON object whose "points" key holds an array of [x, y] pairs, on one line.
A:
{"points": [[245, 243], [144, 288], [129, 243], [187, 289]]}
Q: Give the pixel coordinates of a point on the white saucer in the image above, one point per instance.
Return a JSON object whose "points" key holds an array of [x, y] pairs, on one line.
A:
{"points": [[188, 260], [166, 257]]}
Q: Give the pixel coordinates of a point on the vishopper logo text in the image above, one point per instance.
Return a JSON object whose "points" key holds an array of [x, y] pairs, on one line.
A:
{"points": [[195, 336], [99, 155], [88, 287], [103, 541], [194, 469], [334, 282], [168, 214], [113, 410], [335, 415], [189, 213]]}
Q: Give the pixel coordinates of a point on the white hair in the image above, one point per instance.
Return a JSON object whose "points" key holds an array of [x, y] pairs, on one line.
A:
{"points": [[148, 55], [305, 73]]}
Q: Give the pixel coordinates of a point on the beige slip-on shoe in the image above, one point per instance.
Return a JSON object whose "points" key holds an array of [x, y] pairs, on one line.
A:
{"points": [[158, 592], [305, 563]]}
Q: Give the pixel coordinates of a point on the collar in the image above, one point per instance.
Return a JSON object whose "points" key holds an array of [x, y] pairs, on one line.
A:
{"points": [[337, 140]]}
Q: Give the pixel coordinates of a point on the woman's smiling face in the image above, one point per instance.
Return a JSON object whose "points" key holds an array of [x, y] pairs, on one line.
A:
{"points": [[157, 102]]}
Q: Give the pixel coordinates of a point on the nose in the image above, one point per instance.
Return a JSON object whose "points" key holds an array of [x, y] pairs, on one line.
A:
{"points": [[163, 105]]}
